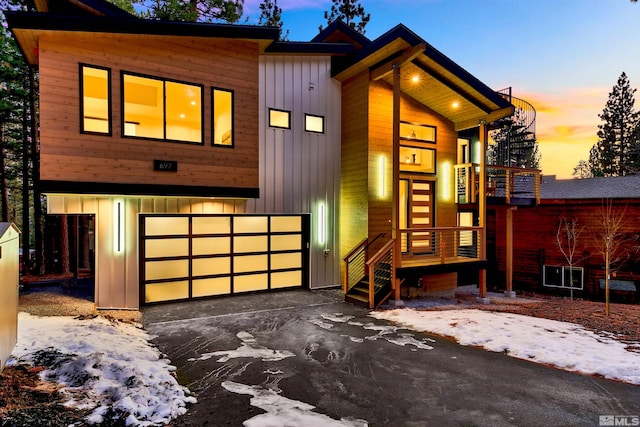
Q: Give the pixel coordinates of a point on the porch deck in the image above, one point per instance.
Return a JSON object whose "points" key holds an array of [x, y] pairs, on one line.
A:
{"points": [[428, 261]]}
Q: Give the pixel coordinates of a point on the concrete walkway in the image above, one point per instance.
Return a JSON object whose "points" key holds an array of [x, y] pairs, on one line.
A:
{"points": [[261, 355]]}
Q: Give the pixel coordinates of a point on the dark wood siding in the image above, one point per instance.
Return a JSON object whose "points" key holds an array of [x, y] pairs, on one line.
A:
{"points": [[534, 243]]}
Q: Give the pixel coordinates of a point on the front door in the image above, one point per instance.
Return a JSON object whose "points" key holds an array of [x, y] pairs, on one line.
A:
{"points": [[417, 196]]}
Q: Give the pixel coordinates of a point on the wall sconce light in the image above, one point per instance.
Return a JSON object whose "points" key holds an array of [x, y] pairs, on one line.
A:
{"points": [[383, 164], [322, 224], [445, 184], [118, 225]]}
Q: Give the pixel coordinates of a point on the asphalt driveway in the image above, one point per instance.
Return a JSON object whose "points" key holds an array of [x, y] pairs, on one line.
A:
{"points": [[306, 355]]}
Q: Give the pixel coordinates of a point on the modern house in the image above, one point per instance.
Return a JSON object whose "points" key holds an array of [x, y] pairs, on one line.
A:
{"points": [[539, 265], [216, 160]]}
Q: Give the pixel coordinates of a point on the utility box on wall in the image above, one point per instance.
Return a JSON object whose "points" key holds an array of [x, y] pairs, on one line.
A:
{"points": [[9, 277]]}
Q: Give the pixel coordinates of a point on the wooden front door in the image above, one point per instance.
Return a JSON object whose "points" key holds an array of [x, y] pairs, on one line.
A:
{"points": [[416, 211]]}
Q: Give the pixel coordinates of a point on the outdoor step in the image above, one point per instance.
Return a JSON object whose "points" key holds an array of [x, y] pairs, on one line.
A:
{"points": [[357, 299]]}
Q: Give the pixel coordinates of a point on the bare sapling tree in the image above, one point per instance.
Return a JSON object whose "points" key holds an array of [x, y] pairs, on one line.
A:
{"points": [[610, 241], [567, 240]]}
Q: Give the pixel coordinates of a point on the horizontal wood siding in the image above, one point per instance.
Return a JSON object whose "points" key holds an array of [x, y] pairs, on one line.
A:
{"points": [[380, 145], [300, 170], [354, 185], [534, 242], [446, 152], [68, 155], [381, 142]]}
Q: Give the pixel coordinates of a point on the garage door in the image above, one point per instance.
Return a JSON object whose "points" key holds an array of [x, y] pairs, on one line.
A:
{"points": [[187, 256]]}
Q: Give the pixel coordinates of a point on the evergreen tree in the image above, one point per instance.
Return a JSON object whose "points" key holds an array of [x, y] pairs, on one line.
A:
{"points": [[617, 152], [271, 16], [582, 170], [13, 93], [349, 11], [229, 11]]}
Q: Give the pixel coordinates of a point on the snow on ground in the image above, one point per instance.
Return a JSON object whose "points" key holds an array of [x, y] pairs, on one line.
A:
{"points": [[249, 349], [281, 411], [106, 367], [564, 345]]}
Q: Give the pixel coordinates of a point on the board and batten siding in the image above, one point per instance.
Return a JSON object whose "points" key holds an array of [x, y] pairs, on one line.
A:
{"points": [[70, 156], [116, 273], [300, 171]]}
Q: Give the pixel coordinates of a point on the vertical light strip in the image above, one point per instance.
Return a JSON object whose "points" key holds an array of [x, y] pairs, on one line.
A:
{"points": [[322, 224], [383, 190], [118, 226], [445, 186]]}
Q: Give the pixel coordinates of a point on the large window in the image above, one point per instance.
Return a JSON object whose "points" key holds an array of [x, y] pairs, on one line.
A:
{"points": [[161, 109], [222, 101], [95, 104], [417, 153]]}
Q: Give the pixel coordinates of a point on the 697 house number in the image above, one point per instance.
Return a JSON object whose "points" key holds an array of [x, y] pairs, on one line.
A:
{"points": [[165, 165]]}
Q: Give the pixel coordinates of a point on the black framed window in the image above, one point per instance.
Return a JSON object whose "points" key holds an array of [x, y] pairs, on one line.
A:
{"points": [[222, 120], [158, 108], [417, 132], [95, 99], [313, 123], [279, 118]]}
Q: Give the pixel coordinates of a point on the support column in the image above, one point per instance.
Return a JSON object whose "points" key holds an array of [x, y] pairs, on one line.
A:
{"points": [[396, 159], [509, 292], [482, 207], [395, 224]]}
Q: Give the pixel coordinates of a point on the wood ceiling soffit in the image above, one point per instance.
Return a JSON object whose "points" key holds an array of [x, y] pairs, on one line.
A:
{"points": [[489, 118], [407, 56], [454, 87], [375, 57]]}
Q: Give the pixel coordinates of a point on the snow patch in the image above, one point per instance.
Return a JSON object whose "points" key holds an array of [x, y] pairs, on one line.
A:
{"points": [[281, 411], [564, 345], [107, 367], [248, 349]]}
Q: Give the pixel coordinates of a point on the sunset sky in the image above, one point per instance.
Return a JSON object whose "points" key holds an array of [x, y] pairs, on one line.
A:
{"points": [[563, 56]]}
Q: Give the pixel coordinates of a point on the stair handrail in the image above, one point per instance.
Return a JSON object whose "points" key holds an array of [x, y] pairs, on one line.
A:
{"points": [[389, 247]]}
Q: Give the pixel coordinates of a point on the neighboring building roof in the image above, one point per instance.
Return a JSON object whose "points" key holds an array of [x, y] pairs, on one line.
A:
{"points": [[618, 187], [339, 32]]}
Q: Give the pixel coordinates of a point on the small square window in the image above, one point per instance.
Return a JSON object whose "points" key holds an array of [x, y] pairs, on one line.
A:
{"points": [[313, 123], [279, 119]]}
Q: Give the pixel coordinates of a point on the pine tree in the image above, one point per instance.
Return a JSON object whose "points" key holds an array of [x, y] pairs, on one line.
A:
{"points": [[349, 11], [229, 11], [618, 148], [271, 16]]}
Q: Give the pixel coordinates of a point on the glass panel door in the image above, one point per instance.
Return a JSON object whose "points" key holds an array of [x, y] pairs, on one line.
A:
{"points": [[416, 211]]}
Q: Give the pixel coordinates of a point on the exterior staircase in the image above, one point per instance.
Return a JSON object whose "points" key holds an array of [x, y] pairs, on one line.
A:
{"points": [[369, 281]]}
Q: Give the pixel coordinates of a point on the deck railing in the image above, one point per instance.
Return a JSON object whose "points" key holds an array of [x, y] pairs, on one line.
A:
{"points": [[441, 245], [355, 265], [467, 183], [382, 272], [502, 181], [509, 182]]}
